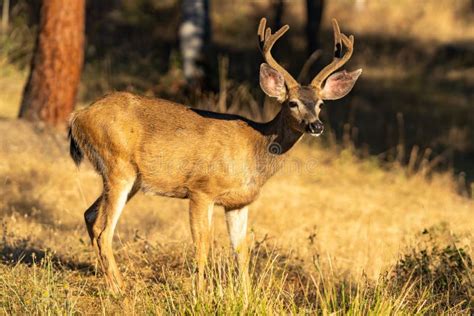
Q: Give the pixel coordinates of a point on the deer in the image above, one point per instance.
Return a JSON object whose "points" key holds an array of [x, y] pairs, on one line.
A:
{"points": [[212, 159]]}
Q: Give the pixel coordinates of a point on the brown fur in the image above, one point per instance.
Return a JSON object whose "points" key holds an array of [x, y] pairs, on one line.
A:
{"points": [[172, 150], [177, 151], [209, 158]]}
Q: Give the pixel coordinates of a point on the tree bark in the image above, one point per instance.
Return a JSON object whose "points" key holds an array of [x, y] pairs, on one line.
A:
{"points": [[314, 14], [51, 89], [195, 36]]}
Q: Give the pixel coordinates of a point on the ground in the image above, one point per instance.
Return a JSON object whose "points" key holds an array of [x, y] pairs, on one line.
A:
{"points": [[375, 217], [326, 226]]}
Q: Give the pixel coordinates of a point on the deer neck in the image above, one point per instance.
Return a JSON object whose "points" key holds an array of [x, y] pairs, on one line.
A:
{"points": [[276, 139], [278, 132]]}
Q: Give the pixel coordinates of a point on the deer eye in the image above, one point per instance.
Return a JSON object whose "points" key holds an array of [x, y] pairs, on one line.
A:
{"points": [[293, 104]]}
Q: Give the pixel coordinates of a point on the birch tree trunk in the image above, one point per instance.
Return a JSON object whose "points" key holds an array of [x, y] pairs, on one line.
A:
{"points": [[194, 36]]}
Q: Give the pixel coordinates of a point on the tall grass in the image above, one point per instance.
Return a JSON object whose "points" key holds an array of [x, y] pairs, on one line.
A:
{"points": [[336, 235], [280, 285]]}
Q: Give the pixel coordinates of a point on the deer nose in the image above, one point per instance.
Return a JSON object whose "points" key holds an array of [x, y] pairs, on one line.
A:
{"points": [[315, 128]]}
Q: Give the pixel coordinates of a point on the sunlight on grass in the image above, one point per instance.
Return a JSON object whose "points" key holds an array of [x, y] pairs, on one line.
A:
{"points": [[278, 287], [11, 81], [336, 232], [333, 244]]}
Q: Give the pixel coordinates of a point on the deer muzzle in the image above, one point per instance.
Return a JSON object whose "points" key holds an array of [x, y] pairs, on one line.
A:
{"points": [[315, 128]]}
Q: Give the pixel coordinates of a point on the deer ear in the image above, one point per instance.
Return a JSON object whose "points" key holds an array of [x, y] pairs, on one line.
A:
{"points": [[339, 84], [272, 82]]}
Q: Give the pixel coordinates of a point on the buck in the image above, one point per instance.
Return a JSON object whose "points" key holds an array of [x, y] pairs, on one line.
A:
{"points": [[137, 143]]}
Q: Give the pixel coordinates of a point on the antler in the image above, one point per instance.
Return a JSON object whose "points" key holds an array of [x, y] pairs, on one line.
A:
{"points": [[267, 39], [338, 61]]}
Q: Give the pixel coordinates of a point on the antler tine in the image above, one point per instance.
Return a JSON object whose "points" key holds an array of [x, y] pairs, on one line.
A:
{"points": [[261, 29], [338, 61], [337, 39], [267, 40]]}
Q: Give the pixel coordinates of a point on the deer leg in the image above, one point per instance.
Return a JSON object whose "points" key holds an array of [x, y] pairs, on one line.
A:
{"points": [[90, 215], [101, 219], [200, 216], [237, 227]]}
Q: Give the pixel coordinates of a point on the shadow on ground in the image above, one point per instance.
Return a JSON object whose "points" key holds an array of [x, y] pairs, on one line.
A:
{"points": [[13, 255]]}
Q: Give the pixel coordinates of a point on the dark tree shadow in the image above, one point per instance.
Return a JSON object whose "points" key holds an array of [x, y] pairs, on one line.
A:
{"points": [[27, 255]]}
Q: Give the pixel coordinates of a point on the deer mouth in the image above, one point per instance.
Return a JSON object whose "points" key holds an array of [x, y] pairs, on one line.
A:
{"points": [[316, 134]]}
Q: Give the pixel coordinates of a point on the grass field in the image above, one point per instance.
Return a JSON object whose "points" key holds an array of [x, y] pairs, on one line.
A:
{"points": [[354, 223], [331, 234]]}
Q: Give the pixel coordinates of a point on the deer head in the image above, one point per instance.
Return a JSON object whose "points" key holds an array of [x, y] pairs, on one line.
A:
{"points": [[302, 104]]}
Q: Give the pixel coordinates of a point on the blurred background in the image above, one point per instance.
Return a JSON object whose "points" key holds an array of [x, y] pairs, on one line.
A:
{"points": [[374, 215], [414, 101]]}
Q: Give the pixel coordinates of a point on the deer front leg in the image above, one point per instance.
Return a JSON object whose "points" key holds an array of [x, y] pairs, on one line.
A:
{"points": [[237, 227], [200, 216]]}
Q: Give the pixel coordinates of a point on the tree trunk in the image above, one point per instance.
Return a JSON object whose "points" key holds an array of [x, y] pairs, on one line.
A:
{"points": [[314, 14], [194, 36], [51, 89], [279, 9]]}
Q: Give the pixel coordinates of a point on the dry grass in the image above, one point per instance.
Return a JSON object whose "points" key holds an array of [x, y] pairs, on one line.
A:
{"points": [[332, 233], [430, 21], [328, 232], [11, 81]]}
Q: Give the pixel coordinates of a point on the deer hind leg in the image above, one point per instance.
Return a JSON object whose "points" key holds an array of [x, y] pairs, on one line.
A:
{"points": [[90, 216], [200, 216], [236, 220], [101, 219]]}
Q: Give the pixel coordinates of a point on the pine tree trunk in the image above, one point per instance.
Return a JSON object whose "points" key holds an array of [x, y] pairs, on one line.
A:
{"points": [[51, 89]]}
